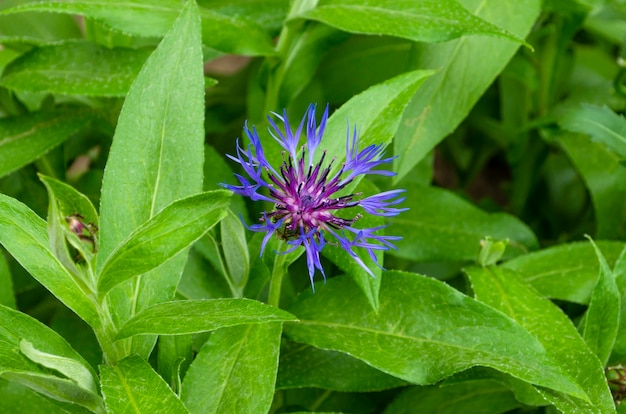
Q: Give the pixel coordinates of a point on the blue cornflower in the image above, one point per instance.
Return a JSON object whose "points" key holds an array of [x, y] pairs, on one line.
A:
{"points": [[303, 192]]}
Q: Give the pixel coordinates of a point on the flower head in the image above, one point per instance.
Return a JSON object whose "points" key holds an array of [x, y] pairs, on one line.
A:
{"points": [[304, 193]]}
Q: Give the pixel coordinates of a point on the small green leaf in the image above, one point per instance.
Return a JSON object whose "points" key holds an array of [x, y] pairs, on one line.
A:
{"points": [[466, 68], [505, 291], [567, 271], [599, 122], [439, 225], [24, 235], [68, 68], [6, 284], [171, 231], [25, 138], [202, 315], [491, 251], [420, 21], [424, 331], [132, 386], [235, 371]]}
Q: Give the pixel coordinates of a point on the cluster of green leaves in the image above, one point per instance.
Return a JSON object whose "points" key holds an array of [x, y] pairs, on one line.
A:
{"points": [[505, 119]]}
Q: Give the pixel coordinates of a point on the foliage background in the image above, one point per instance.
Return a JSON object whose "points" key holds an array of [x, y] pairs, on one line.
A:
{"points": [[505, 117]]}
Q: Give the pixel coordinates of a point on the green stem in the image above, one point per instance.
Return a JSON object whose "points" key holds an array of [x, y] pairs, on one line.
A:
{"points": [[278, 272]]}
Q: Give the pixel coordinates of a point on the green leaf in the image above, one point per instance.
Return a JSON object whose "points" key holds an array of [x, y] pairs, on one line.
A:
{"points": [[424, 331], [439, 225], [6, 284], [234, 371], [155, 159], [605, 178], [502, 289], [24, 235], [29, 351], [166, 234], [304, 366], [600, 325], [132, 386], [27, 137], [174, 356], [467, 66], [229, 33], [75, 68], [202, 315], [22, 400], [567, 271], [600, 123], [235, 247], [423, 21], [476, 397], [619, 348]]}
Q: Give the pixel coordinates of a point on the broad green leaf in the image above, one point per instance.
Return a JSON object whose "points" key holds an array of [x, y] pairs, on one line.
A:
{"points": [[25, 138], [20, 399], [228, 33], [35, 28], [440, 225], [155, 159], [28, 352], [600, 123], [235, 247], [75, 68], [7, 297], [202, 315], [476, 397], [132, 386], [421, 21], [235, 371], [466, 67], [600, 325], [605, 178], [567, 271], [24, 235], [424, 331], [166, 234], [505, 291], [304, 366]]}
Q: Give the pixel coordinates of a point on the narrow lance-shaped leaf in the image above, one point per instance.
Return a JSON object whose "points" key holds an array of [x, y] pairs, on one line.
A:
{"points": [[600, 324], [502, 289], [68, 68], [155, 159], [424, 331], [24, 235], [202, 315], [599, 122], [25, 138], [235, 371], [132, 386], [172, 230], [420, 21], [466, 67]]}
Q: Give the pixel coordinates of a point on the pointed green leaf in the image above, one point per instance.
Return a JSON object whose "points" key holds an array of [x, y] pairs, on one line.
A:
{"points": [[567, 271], [155, 159], [440, 225], [599, 122], [24, 235], [132, 386], [424, 331], [7, 297], [502, 289], [171, 231], [201, 315], [25, 138], [420, 21], [70, 68], [601, 321], [466, 67], [235, 247], [235, 371]]}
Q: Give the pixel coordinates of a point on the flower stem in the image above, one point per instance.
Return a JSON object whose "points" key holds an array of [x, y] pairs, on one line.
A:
{"points": [[278, 272]]}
